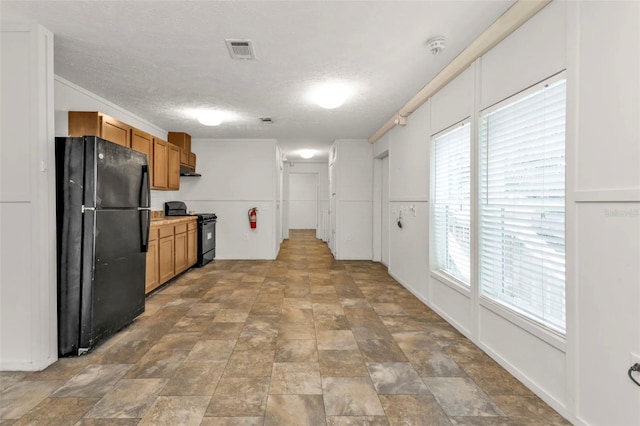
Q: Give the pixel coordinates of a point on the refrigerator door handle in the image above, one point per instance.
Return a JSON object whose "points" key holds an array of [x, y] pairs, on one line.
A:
{"points": [[145, 187], [145, 223]]}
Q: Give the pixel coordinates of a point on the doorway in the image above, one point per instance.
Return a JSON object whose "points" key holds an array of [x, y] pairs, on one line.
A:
{"points": [[384, 212], [303, 200]]}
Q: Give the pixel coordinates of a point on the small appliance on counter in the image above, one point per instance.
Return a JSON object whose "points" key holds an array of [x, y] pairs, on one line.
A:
{"points": [[103, 217], [206, 230]]}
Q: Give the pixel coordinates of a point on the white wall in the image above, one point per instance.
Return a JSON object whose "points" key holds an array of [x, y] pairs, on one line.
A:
{"points": [[409, 188], [71, 97], [354, 199], [28, 339], [584, 375], [605, 234], [237, 174]]}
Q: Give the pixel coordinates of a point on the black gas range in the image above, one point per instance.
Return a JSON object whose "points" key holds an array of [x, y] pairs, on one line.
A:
{"points": [[206, 230]]}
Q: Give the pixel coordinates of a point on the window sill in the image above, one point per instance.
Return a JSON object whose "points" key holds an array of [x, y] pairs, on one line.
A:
{"points": [[452, 282], [543, 333]]}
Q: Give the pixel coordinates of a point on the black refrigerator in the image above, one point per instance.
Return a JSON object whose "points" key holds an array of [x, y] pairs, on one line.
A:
{"points": [[103, 218]]}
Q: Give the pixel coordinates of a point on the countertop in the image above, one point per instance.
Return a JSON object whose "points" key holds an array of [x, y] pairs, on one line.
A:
{"points": [[168, 220]]}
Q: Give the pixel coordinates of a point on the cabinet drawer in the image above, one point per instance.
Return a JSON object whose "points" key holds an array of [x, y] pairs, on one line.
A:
{"points": [[166, 231], [153, 233], [181, 228], [192, 225]]}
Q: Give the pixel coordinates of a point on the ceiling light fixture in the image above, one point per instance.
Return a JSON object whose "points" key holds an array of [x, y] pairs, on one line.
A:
{"points": [[330, 95], [307, 153], [210, 118]]}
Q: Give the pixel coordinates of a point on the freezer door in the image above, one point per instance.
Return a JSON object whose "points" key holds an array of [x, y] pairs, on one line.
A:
{"points": [[114, 279], [115, 176]]}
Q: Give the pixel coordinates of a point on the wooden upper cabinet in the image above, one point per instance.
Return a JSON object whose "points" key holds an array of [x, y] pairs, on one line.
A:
{"points": [[116, 131], [142, 142], [163, 157], [183, 140], [160, 157], [83, 123], [173, 179]]}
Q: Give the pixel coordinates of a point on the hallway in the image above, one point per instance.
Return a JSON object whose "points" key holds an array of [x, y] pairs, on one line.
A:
{"points": [[303, 340]]}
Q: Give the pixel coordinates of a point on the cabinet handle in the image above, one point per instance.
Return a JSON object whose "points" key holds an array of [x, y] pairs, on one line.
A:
{"points": [[144, 187], [145, 223]]}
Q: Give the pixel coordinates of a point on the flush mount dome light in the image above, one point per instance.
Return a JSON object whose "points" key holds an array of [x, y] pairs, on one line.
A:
{"points": [[331, 95], [307, 153], [210, 118]]}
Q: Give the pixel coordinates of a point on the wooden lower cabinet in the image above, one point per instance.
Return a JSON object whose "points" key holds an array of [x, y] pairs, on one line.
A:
{"points": [[192, 243], [172, 250], [181, 248], [152, 278], [166, 256]]}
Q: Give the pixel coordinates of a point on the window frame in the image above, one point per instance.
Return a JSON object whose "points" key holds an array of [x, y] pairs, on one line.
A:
{"points": [[436, 271], [549, 334]]}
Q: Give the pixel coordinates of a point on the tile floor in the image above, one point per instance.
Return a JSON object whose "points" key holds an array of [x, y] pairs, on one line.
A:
{"points": [[303, 340]]}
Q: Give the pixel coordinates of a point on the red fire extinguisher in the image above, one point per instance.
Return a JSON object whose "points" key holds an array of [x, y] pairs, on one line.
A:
{"points": [[253, 217]]}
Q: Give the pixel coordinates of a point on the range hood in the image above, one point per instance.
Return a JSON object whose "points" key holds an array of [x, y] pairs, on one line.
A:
{"points": [[186, 171]]}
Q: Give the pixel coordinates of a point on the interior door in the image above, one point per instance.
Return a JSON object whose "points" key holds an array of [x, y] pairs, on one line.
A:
{"points": [[384, 204], [332, 209]]}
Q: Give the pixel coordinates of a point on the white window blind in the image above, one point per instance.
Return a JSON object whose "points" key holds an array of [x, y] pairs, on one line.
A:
{"points": [[522, 205], [451, 202]]}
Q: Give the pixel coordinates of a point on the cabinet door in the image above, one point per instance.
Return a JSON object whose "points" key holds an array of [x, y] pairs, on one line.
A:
{"points": [[192, 245], [152, 280], [166, 258], [115, 131], [184, 157], [181, 252], [173, 179], [142, 142], [84, 123], [159, 175], [192, 160]]}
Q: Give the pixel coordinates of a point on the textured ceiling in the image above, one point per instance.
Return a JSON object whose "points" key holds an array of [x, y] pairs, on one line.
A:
{"points": [[158, 59]]}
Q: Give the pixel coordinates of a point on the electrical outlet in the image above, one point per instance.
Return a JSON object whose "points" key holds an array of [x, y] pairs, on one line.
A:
{"points": [[348, 237], [245, 237]]}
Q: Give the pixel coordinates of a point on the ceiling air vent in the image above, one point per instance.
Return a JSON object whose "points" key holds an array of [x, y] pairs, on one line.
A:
{"points": [[266, 120], [240, 49]]}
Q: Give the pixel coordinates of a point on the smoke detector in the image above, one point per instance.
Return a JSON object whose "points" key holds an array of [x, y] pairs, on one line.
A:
{"points": [[240, 49], [436, 45]]}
